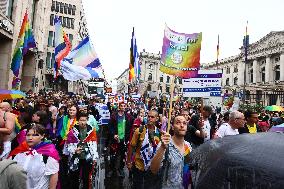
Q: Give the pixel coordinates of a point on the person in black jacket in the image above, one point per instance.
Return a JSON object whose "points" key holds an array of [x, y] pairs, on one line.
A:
{"points": [[119, 130]]}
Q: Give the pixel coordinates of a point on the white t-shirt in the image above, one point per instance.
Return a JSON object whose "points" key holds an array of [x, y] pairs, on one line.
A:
{"points": [[38, 172], [225, 130], [207, 128]]}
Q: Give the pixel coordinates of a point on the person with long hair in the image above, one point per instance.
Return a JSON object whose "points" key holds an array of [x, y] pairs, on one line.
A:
{"points": [[64, 125], [39, 158]]}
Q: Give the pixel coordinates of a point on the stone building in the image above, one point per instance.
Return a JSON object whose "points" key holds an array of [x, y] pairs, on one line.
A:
{"points": [[264, 70], [152, 80], [36, 70]]}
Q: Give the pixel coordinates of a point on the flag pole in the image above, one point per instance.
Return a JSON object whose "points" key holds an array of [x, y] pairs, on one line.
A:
{"points": [[171, 103], [217, 60], [245, 44]]}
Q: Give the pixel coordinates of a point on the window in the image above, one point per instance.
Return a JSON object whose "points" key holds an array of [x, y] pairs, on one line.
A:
{"points": [[161, 79], [149, 88], [52, 60], [161, 88], [61, 7], [68, 23], [48, 62], [235, 68], [64, 22], [73, 10], [50, 39], [57, 7], [72, 23], [69, 9], [228, 70], [60, 18], [65, 8], [251, 76], [53, 41], [236, 81], [9, 12], [70, 38], [276, 59], [150, 67], [52, 19], [263, 74], [180, 80], [150, 77], [53, 6], [277, 72], [167, 89], [227, 81], [168, 79]]}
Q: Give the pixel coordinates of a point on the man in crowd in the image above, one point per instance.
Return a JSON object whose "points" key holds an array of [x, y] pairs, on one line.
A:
{"points": [[236, 121], [119, 129], [173, 155], [145, 138], [251, 125]]}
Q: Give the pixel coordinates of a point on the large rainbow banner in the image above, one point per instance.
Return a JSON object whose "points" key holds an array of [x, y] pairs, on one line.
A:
{"points": [[181, 53]]}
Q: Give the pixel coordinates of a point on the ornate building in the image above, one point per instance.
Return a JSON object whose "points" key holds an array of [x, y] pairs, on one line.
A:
{"points": [[152, 81], [264, 70], [36, 71]]}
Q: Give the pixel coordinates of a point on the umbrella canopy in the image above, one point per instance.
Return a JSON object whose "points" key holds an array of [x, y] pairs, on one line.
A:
{"points": [[241, 161], [274, 108], [11, 94], [277, 128]]}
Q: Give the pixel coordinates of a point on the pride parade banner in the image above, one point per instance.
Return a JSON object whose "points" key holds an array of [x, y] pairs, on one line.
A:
{"points": [[181, 53]]}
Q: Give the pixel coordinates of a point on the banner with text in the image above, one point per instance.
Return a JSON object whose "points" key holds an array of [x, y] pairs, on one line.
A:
{"points": [[207, 83], [181, 53]]}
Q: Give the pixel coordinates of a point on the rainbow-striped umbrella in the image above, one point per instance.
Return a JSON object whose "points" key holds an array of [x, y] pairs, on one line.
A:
{"points": [[11, 94], [274, 108]]}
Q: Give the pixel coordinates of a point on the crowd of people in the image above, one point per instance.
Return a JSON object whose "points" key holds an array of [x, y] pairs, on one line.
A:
{"points": [[50, 140]]}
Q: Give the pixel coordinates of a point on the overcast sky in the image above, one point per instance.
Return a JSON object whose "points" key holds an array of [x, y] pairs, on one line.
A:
{"points": [[110, 25]]}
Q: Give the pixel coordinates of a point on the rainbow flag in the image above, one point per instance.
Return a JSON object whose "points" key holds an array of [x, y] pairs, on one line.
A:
{"points": [[25, 42], [17, 126], [62, 45], [134, 66]]}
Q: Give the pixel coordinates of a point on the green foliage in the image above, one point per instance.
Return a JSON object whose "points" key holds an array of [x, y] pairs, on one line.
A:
{"points": [[255, 107]]}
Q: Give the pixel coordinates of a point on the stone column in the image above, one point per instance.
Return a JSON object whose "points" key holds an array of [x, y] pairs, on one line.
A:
{"points": [[255, 68], [268, 70], [282, 67]]}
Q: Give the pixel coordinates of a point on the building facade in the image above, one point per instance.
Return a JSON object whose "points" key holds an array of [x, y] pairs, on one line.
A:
{"points": [[264, 72], [36, 70], [152, 81]]}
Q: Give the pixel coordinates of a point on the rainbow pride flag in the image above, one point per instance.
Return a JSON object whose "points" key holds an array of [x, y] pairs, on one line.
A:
{"points": [[25, 42], [17, 126]]}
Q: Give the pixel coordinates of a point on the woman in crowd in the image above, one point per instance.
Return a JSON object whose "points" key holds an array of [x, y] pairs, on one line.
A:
{"points": [[39, 159]]}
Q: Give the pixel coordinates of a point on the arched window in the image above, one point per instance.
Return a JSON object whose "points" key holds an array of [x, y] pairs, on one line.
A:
{"points": [[150, 78]]}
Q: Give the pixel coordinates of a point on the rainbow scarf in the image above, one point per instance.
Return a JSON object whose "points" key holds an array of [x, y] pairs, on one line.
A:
{"points": [[25, 42], [186, 170], [45, 148]]}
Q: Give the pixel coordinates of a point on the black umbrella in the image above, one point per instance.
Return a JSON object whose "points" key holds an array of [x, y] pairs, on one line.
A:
{"points": [[246, 161]]}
